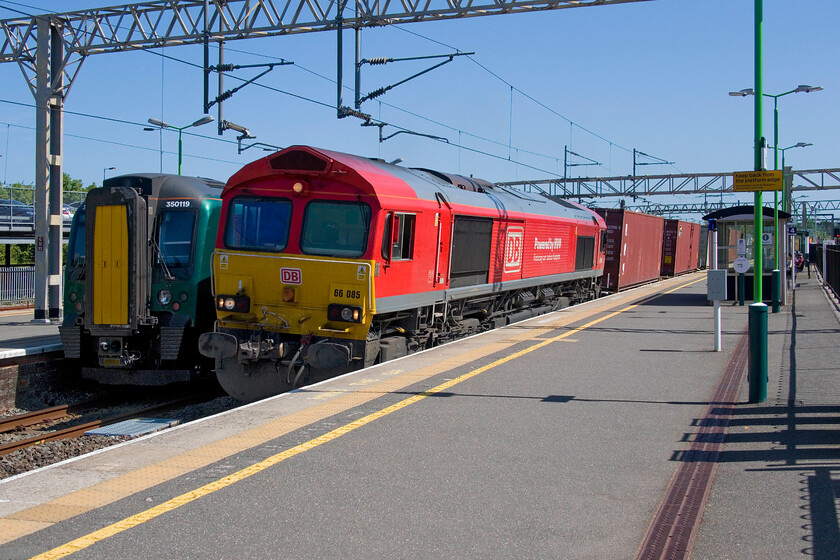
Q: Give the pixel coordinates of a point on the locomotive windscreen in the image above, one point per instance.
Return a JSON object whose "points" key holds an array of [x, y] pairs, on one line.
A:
{"points": [[471, 241]]}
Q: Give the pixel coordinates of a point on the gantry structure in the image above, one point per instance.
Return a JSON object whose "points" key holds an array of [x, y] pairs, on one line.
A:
{"points": [[50, 49]]}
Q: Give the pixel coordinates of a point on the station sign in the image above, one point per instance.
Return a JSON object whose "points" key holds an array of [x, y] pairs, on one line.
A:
{"points": [[791, 230], [752, 181], [741, 265]]}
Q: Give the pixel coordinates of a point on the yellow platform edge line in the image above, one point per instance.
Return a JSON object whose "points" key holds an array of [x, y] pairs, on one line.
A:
{"points": [[188, 497]]}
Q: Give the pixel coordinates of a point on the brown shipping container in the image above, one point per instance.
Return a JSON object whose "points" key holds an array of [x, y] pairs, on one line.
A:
{"points": [[680, 247], [634, 248]]}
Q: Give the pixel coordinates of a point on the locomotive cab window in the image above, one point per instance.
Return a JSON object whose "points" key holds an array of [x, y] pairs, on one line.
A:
{"points": [[175, 238], [76, 250], [261, 224], [337, 229], [398, 239]]}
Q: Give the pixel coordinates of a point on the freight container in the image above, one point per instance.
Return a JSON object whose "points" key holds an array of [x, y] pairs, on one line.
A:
{"points": [[634, 248], [680, 247]]}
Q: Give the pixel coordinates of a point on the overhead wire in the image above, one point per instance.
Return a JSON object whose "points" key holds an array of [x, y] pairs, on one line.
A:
{"points": [[572, 123], [122, 121], [408, 112], [328, 105]]}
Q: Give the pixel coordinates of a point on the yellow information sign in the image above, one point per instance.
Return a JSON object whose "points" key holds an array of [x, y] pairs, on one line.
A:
{"points": [[746, 181]]}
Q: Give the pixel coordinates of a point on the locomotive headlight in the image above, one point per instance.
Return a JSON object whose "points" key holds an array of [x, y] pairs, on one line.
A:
{"points": [[78, 306], [104, 345], [176, 306], [230, 303], [73, 296], [183, 296], [345, 313], [164, 297]]}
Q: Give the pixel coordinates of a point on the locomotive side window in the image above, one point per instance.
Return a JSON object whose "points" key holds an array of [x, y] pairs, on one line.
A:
{"points": [[603, 241], [175, 238], [399, 235], [258, 223], [338, 229]]}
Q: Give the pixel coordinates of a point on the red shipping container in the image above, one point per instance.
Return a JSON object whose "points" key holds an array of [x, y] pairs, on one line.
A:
{"points": [[680, 247], [634, 248]]}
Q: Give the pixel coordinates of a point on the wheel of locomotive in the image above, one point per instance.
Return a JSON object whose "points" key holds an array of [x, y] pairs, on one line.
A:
{"points": [[258, 381]]}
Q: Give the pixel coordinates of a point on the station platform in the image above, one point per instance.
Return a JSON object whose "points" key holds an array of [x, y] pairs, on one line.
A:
{"points": [[21, 336], [609, 430]]}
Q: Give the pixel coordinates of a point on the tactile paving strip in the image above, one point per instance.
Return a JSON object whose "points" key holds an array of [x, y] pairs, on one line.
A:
{"points": [[674, 527]]}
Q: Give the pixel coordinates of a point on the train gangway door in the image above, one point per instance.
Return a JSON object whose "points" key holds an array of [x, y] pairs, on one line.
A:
{"points": [[110, 273]]}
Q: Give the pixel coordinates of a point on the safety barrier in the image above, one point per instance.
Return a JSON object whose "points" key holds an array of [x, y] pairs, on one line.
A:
{"points": [[832, 264], [17, 286]]}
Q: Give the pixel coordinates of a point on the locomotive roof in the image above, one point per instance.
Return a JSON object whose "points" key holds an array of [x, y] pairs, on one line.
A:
{"points": [[385, 179], [164, 185]]}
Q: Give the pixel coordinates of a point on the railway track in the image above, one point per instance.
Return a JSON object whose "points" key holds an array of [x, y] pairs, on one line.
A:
{"points": [[33, 418], [57, 412]]}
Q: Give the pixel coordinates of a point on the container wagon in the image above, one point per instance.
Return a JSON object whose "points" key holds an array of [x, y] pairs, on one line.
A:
{"points": [[680, 247], [633, 248]]}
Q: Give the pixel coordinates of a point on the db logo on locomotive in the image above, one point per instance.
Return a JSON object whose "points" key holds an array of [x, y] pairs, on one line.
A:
{"points": [[513, 248], [291, 276]]}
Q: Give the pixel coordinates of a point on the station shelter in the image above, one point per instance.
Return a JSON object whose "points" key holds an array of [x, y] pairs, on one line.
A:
{"points": [[735, 230]]}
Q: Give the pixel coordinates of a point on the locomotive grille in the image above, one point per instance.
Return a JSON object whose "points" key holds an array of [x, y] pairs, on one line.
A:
{"points": [[71, 340], [170, 342]]}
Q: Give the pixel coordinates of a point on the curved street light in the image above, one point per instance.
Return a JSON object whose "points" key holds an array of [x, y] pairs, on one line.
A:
{"points": [[751, 91], [203, 120]]}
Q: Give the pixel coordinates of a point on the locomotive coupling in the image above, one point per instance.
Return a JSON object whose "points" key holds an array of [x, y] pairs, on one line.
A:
{"points": [[223, 345]]}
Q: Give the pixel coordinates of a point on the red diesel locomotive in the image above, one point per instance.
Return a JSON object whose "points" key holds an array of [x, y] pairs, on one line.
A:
{"points": [[327, 262]]}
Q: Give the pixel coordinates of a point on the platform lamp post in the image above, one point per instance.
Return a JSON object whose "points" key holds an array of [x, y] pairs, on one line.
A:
{"points": [[750, 91], [203, 120], [105, 173], [785, 193]]}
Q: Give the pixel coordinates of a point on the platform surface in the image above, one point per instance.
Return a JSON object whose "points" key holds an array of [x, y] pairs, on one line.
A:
{"points": [[21, 336], [553, 438]]}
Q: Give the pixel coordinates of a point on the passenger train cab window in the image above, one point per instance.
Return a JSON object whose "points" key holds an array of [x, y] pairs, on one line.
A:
{"points": [[175, 238], [398, 240], [336, 229], [76, 250], [261, 224]]}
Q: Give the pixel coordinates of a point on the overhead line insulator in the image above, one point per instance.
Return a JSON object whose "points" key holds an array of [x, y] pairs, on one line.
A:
{"points": [[379, 60], [376, 93]]}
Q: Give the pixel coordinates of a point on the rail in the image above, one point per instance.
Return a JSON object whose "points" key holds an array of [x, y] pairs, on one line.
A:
{"points": [[17, 286], [832, 264]]}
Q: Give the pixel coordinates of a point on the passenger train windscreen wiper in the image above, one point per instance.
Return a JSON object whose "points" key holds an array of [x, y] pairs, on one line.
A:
{"points": [[162, 260]]}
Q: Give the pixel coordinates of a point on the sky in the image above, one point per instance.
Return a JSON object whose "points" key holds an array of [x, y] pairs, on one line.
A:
{"points": [[599, 81]]}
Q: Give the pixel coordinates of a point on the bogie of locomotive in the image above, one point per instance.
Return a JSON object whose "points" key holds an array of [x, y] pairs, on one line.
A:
{"points": [[327, 262], [137, 288]]}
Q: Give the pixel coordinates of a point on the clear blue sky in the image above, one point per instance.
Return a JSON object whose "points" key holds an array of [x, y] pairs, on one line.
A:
{"points": [[652, 76]]}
